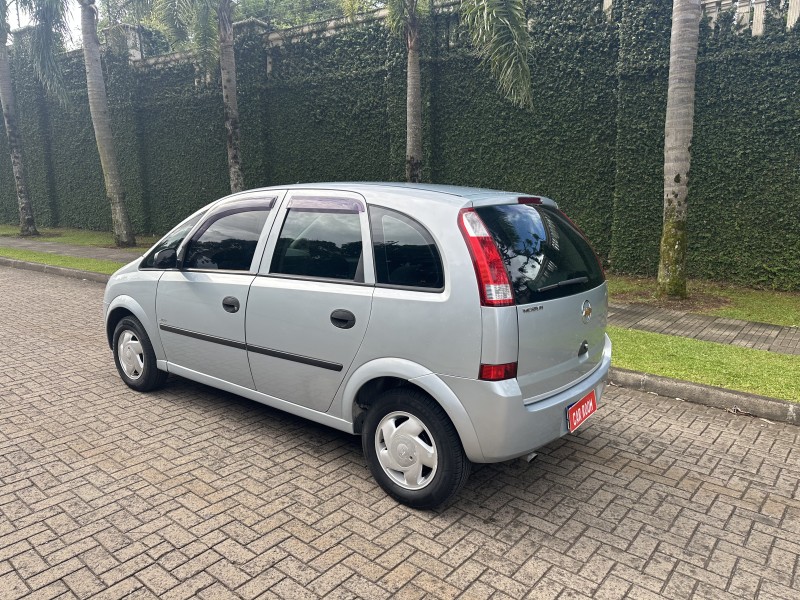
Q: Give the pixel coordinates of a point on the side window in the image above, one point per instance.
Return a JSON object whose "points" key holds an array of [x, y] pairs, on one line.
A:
{"points": [[405, 253], [172, 240], [321, 237], [228, 242]]}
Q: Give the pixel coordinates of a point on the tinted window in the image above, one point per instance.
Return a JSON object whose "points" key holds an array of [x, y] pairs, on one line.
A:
{"points": [[172, 240], [546, 257], [320, 241], [227, 243], [405, 253]]}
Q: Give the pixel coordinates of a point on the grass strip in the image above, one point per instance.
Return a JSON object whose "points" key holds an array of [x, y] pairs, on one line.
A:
{"points": [[778, 308], [78, 237], [58, 260], [715, 299], [732, 367]]}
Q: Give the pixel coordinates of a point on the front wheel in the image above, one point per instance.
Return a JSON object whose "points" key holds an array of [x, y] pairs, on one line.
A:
{"points": [[413, 450], [135, 358]]}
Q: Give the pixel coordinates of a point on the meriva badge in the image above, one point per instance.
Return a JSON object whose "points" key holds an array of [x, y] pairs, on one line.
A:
{"points": [[586, 311]]}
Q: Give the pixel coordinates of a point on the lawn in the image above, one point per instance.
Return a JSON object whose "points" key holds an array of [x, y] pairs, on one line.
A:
{"points": [[78, 237], [715, 299], [722, 365], [58, 260]]}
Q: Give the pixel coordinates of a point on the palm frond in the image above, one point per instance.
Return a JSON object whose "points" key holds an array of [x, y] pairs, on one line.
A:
{"points": [[205, 33], [351, 8], [498, 32], [172, 15], [49, 30], [403, 13], [139, 9]]}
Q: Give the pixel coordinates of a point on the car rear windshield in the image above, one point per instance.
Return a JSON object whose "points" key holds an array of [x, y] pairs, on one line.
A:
{"points": [[545, 255]]}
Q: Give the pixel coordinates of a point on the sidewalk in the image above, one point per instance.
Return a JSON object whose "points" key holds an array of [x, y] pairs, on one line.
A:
{"points": [[760, 336]]}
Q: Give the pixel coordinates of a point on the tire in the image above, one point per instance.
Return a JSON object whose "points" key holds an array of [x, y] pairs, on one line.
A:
{"points": [[422, 464], [135, 358]]}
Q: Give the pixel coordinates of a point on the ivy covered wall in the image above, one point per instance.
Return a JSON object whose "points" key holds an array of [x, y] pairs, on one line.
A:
{"points": [[744, 184], [563, 147], [333, 108], [642, 71], [744, 195]]}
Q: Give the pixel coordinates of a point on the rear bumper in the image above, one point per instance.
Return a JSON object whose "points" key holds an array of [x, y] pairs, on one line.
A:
{"points": [[508, 428]]}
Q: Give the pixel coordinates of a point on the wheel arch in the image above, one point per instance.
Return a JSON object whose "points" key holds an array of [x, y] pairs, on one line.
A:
{"points": [[123, 306], [375, 377]]}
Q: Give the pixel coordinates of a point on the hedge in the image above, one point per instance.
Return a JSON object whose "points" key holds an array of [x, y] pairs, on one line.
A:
{"points": [[333, 108]]}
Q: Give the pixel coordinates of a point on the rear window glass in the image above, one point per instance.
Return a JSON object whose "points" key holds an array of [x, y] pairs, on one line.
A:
{"points": [[545, 255], [320, 241]]}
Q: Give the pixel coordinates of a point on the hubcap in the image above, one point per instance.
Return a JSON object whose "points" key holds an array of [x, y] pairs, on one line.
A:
{"points": [[406, 450], [131, 355]]}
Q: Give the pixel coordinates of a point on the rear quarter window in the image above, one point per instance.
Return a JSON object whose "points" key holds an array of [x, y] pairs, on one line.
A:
{"points": [[545, 255], [405, 253]]}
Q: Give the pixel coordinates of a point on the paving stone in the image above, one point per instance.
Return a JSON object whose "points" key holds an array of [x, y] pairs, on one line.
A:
{"points": [[194, 493], [787, 341]]}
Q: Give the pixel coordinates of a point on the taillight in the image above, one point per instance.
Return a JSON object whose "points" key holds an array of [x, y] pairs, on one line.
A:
{"points": [[493, 283], [529, 200], [498, 372]]}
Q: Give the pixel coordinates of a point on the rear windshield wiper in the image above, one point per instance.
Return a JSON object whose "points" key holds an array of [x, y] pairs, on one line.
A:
{"points": [[566, 282]]}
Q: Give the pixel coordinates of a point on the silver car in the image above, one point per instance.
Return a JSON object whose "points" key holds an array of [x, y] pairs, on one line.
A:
{"points": [[445, 325]]}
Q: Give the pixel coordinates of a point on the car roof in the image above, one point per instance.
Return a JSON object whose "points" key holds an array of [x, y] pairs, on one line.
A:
{"points": [[447, 194]]}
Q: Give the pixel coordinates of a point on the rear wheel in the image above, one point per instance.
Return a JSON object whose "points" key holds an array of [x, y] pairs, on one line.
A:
{"points": [[135, 358], [413, 450]]}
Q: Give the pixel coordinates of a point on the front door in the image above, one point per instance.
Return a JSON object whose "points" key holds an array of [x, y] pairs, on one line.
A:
{"points": [[308, 309], [201, 306]]}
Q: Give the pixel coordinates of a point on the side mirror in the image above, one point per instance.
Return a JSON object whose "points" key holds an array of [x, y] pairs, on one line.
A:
{"points": [[166, 259]]}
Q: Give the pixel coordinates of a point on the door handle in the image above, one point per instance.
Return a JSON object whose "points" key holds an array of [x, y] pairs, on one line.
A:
{"points": [[343, 319], [230, 304]]}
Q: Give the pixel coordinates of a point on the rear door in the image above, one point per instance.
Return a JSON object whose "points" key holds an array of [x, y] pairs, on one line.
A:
{"points": [[560, 294], [308, 309]]}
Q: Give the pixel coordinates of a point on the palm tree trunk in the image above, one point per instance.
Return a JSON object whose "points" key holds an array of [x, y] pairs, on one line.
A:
{"points": [[27, 225], [98, 107], [677, 141], [413, 106], [227, 67]]}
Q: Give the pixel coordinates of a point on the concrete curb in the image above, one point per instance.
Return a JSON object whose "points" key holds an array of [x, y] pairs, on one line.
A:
{"points": [[53, 270], [737, 402]]}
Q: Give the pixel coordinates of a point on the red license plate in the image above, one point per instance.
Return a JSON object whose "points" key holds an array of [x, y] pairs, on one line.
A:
{"points": [[581, 410]]}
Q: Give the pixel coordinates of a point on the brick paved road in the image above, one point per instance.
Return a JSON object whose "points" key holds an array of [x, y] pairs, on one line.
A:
{"points": [[193, 493]]}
